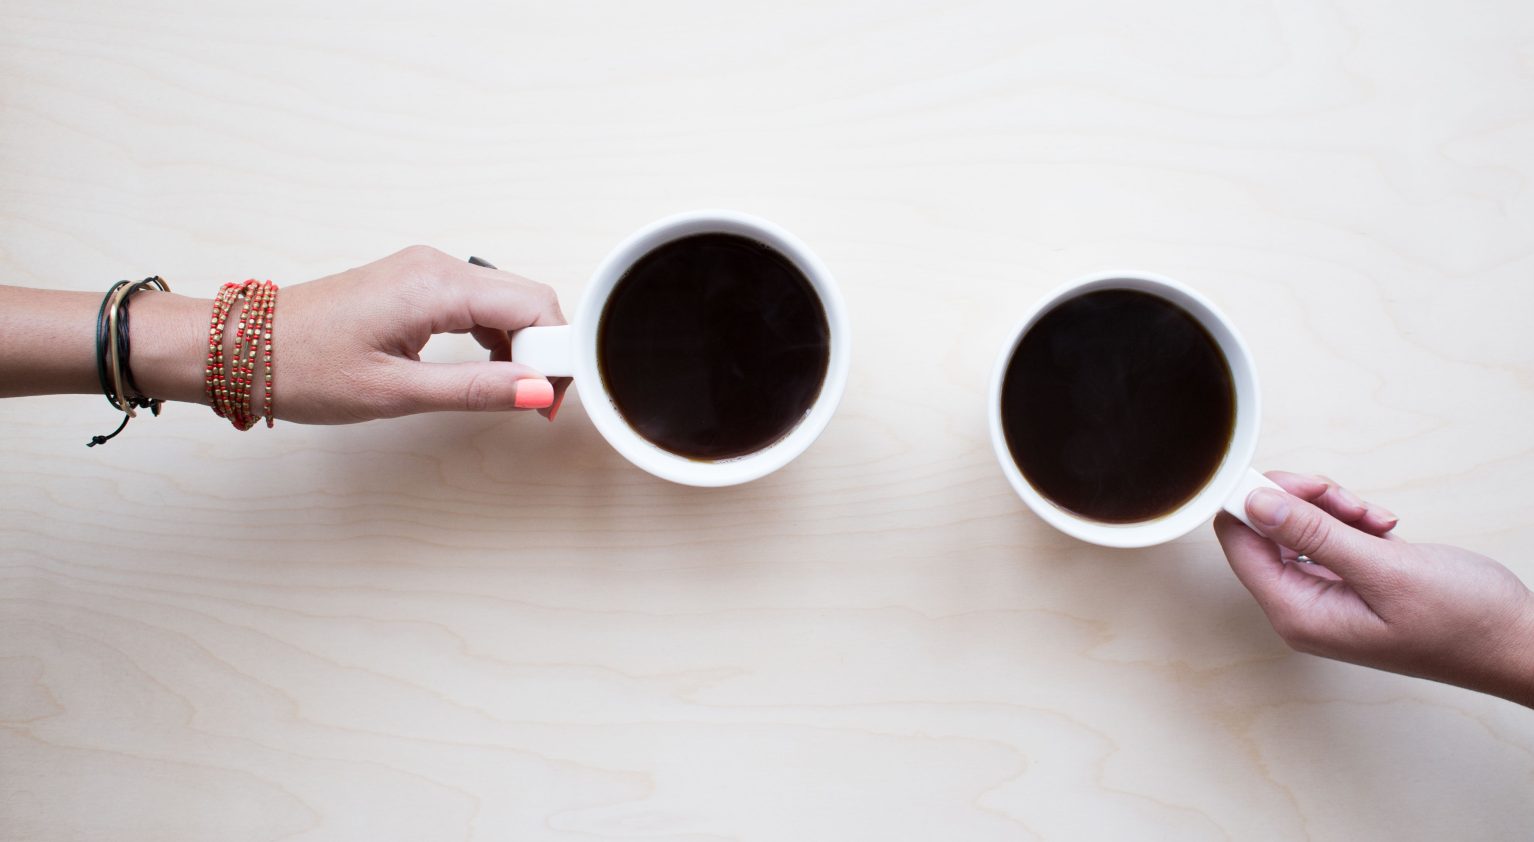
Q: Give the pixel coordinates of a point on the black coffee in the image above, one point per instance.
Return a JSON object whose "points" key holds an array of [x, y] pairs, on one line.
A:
{"points": [[1118, 406], [713, 346]]}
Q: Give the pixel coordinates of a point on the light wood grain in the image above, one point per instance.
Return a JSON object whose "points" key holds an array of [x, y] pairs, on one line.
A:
{"points": [[488, 627]]}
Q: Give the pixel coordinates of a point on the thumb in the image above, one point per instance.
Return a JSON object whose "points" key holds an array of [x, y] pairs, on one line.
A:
{"points": [[1284, 519], [471, 387]]}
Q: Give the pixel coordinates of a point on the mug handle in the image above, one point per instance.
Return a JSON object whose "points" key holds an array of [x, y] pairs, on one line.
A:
{"points": [[1236, 502], [549, 350]]}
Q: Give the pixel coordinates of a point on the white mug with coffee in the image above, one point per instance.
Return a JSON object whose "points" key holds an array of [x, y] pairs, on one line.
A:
{"points": [[1124, 410], [711, 348]]}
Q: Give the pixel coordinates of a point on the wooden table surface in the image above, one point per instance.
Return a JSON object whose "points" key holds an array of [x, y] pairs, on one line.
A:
{"points": [[489, 627]]}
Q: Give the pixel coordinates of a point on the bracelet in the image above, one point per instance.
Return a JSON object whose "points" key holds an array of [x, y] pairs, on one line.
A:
{"points": [[125, 371], [113, 354], [230, 378]]}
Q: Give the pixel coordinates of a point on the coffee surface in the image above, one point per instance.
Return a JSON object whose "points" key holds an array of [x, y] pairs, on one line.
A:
{"points": [[1118, 405], [713, 346]]}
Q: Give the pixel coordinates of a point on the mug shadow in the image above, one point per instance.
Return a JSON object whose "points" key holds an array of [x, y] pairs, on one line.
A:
{"points": [[514, 488], [1178, 608]]}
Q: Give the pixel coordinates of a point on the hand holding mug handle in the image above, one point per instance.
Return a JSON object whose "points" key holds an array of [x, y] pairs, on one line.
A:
{"points": [[556, 366], [1235, 504], [1372, 598], [546, 349]]}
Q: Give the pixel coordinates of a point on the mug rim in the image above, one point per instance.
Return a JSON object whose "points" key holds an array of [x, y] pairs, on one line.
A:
{"points": [[641, 451], [1233, 465]]}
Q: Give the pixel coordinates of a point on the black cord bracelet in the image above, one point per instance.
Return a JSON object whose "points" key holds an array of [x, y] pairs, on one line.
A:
{"points": [[101, 349], [116, 378], [136, 398]]}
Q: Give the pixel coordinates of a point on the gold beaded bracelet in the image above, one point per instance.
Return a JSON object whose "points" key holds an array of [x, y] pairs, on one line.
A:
{"points": [[230, 378]]}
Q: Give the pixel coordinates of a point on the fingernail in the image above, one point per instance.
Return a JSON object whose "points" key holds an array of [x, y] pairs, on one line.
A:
{"points": [[534, 394], [1384, 515], [1350, 498], [1268, 508]]}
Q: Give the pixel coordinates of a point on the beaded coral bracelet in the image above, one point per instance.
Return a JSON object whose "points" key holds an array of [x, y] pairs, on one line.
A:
{"points": [[230, 379]]}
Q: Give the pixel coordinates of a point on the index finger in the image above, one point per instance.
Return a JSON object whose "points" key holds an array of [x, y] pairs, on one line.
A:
{"points": [[465, 296], [1337, 501], [502, 349]]}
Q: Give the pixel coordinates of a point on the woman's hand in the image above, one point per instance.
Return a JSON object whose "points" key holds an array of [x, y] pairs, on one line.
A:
{"points": [[347, 347], [1370, 598]]}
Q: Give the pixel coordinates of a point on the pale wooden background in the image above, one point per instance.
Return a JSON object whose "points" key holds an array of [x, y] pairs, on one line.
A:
{"points": [[487, 627]]}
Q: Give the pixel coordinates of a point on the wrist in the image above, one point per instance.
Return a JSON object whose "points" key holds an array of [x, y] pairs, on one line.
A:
{"points": [[1524, 659], [169, 340], [1516, 676]]}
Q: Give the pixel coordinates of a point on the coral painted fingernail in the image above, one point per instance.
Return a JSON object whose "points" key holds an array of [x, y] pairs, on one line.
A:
{"points": [[534, 394]]}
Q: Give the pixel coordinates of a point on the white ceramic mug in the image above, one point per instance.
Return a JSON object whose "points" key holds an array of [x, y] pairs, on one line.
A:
{"points": [[1232, 481], [571, 351]]}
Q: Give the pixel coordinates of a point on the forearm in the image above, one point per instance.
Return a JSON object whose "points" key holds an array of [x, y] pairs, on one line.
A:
{"points": [[48, 343]]}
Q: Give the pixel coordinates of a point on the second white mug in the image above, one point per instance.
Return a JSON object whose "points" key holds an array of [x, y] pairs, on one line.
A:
{"points": [[1231, 482]]}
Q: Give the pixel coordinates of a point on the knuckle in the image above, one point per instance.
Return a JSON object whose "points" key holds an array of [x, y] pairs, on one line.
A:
{"points": [[421, 261], [420, 252], [1314, 536], [545, 294], [479, 394]]}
